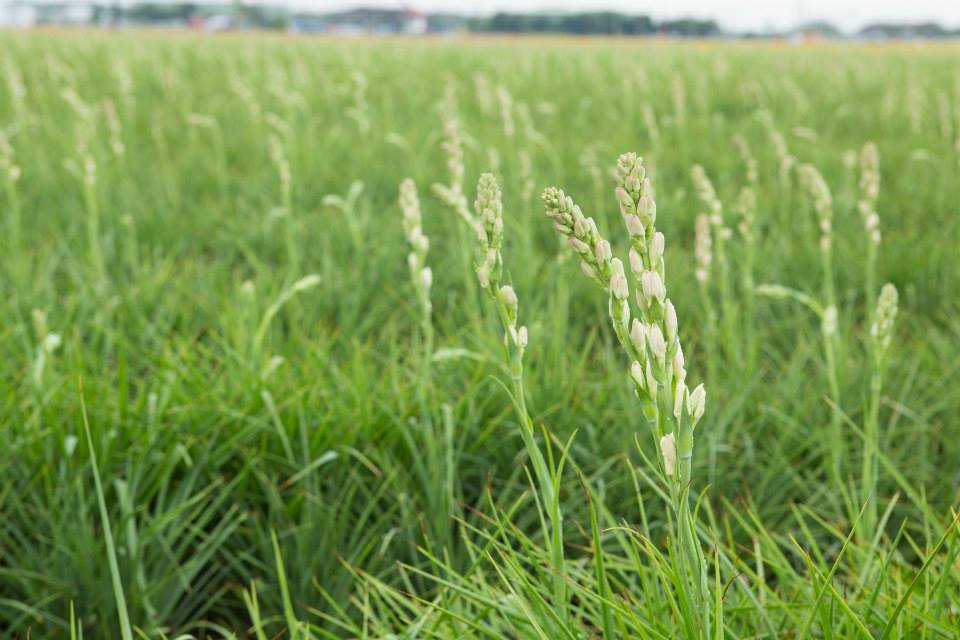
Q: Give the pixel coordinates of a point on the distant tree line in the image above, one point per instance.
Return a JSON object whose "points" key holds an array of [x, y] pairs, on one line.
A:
{"points": [[593, 23]]}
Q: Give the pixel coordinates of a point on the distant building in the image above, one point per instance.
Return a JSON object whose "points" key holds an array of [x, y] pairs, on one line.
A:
{"points": [[17, 15], [20, 14], [899, 31], [376, 21]]}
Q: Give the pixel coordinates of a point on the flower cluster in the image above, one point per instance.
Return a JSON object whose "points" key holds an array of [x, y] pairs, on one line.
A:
{"points": [[489, 228], [881, 331], [420, 273], [870, 190], [452, 194], [652, 338], [822, 202]]}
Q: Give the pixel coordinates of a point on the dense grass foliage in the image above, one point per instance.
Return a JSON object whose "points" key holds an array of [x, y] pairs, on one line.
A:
{"points": [[210, 227]]}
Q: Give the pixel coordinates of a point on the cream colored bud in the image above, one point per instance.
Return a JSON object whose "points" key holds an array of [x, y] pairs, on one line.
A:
{"points": [[51, 342], [652, 385], [635, 226], [509, 296], [522, 337], [670, 321], [697, 403], [636, 373], [679, 370], [426, 277], [588, 271], [679, 400], [603, 251], [668, 447], [829, 322], [627, 205], [657, 345], [578, 245], [652, 286], [618, 280], [656, 246], [636, 263], [638, 336]]}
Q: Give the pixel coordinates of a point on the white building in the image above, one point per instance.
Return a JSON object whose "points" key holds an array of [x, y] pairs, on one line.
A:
{"points": [[17, 15]]}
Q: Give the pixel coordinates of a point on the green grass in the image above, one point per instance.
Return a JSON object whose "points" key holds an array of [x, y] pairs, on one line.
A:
{"points": [[211, 489]]}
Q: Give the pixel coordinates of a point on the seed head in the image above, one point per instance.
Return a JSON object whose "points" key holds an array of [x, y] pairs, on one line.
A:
{"points": [[703, 247], [881, 330], [869, 174]]}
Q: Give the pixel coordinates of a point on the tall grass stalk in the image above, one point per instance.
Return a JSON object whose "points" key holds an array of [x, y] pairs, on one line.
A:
{"points": [[658, 371], [489, 229], [867, 207], [829, 326], [881, 336], [9, 175]]}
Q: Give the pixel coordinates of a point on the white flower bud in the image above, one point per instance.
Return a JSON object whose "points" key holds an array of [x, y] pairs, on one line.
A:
{"points": [[636, 372], [578, 245], [588, 271], [522, 338], [635, 227], [652, 286], [647, 209], [483, 275], [829, 322], [668, 447], [670, 321], [656, 247], [638, 336], [603, 251], [657, 344], [679, 371], [51, 342], [697, 403], [636, 263], [679, 399], [627, 205], [618, 280], [509, 296], [651, 381], [426, 277]]}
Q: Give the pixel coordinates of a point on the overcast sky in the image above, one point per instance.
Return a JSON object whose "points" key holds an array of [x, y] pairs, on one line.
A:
{"points": [[731, 14]]}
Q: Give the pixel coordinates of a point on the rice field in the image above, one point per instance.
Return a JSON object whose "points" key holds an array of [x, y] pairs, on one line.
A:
{"points": [[398, 338]]}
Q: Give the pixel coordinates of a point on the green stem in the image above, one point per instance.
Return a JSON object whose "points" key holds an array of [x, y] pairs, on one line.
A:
{"points": [[871, 448]]}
